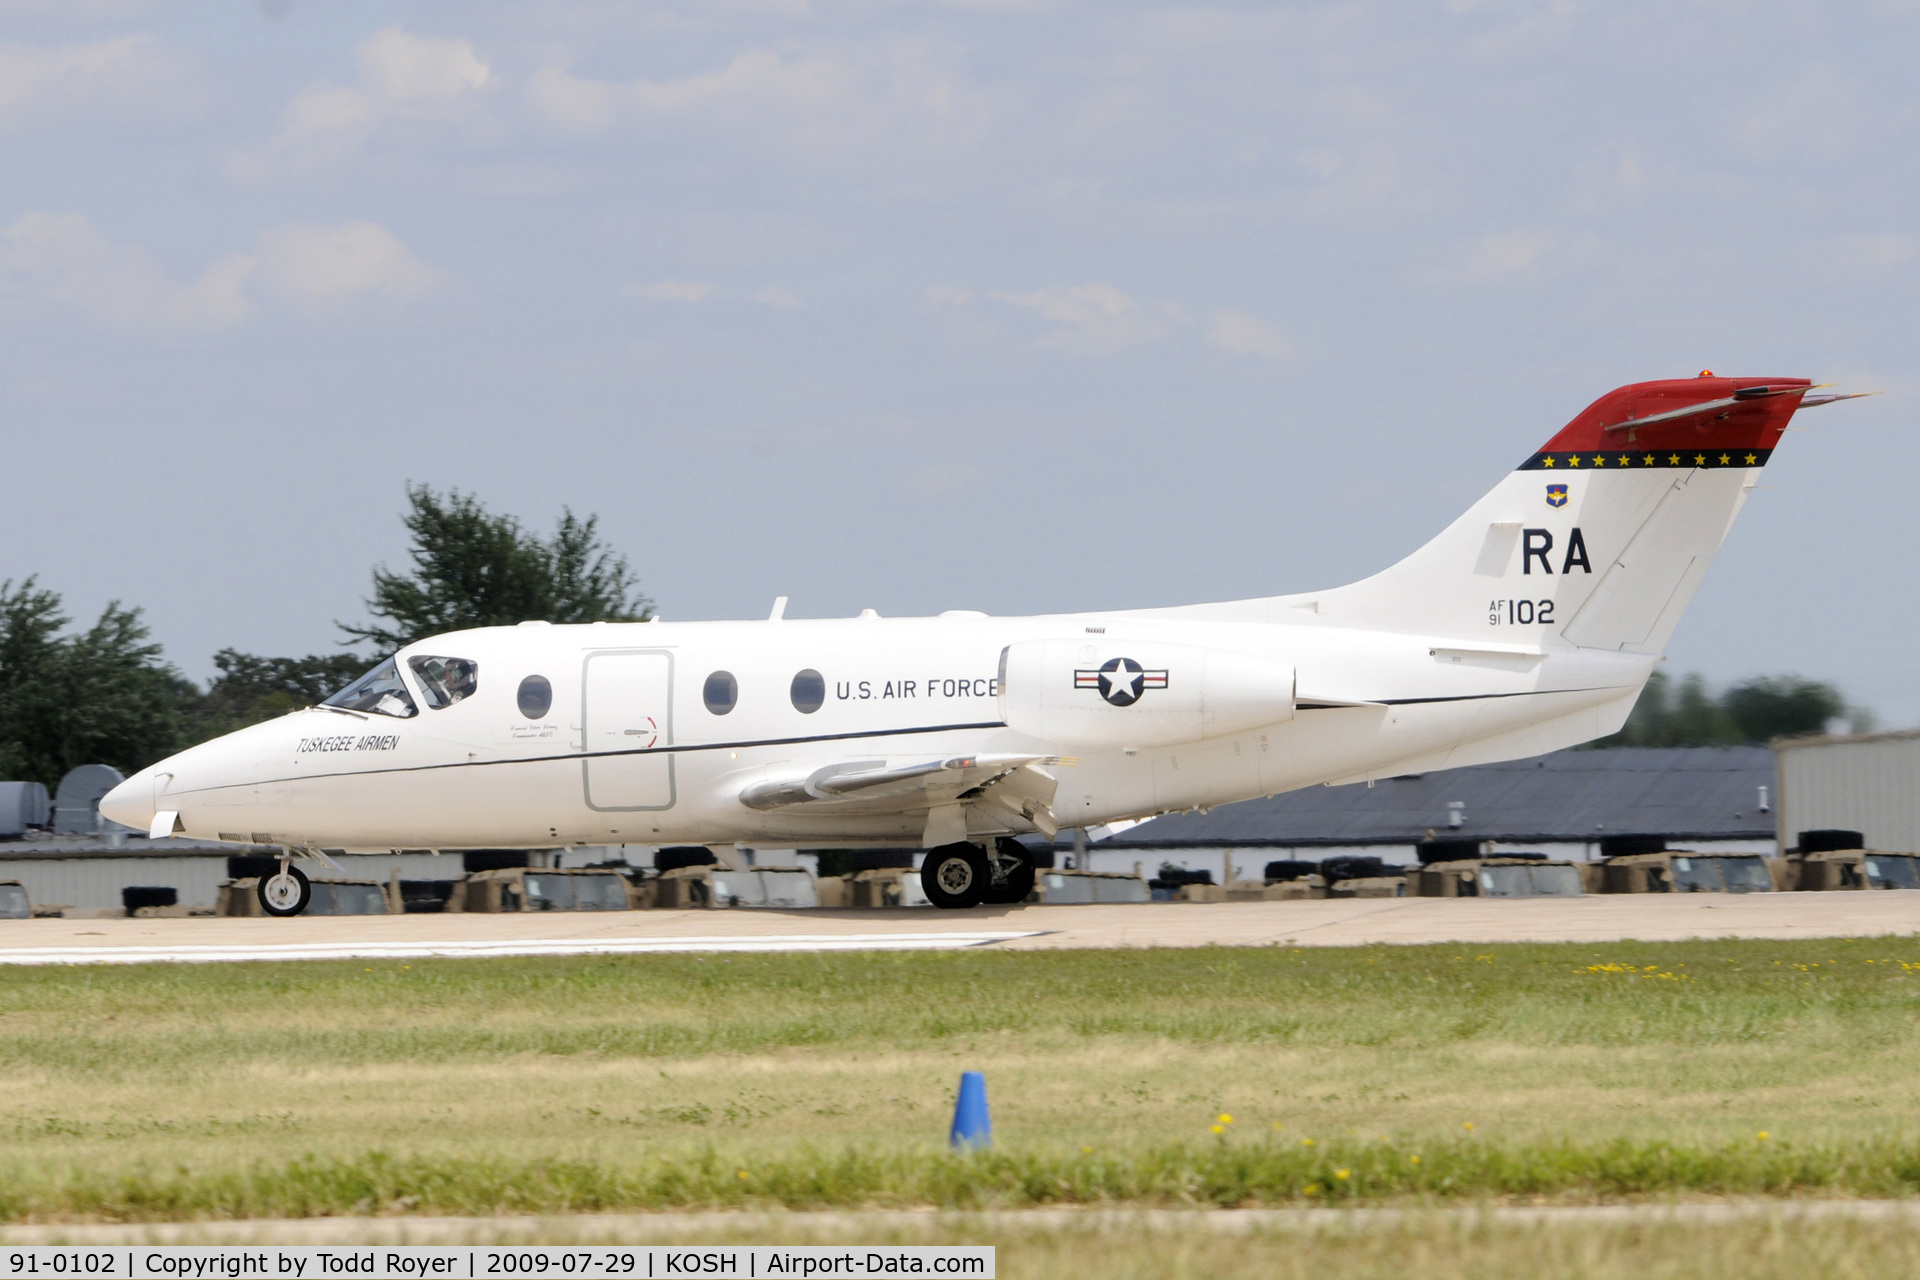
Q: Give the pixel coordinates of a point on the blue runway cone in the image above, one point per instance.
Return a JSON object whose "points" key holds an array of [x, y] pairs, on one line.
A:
{"points": [[971, 1128]]}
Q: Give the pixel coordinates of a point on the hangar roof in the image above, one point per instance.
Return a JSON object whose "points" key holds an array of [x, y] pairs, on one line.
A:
{"points": [[1694, 793]]}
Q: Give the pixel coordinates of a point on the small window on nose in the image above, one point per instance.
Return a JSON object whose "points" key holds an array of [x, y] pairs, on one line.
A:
{"points": [[536, 697], [721, 692], [809, 691]]}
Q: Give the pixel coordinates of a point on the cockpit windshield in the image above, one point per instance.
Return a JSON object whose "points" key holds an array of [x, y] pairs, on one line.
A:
{"points": [[444, 681], [380, 691]]}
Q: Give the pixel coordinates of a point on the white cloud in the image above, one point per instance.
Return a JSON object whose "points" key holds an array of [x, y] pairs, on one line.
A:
{"points": [[1093, 318], [309, 264], [758, 80], [64, 262], [1870, 255], [1504, 256], [1096, 318], [132, 78], [401, 77], [1821, 114], [776, 297], [674, 291], [1248, 335], [820, 107]]}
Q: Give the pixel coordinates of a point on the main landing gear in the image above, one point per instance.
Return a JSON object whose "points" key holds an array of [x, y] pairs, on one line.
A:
{"points": [[966, 875], [286, 892]]}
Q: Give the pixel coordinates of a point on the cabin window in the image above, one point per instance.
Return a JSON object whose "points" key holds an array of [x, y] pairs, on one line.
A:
{"points": [[721, 692], [380, 691], [536, 697], [445, 681], [809, 691]]}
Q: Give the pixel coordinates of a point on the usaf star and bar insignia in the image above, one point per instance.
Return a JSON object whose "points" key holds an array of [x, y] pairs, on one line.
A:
{"points": [[1120, 681], [1646, 459]]}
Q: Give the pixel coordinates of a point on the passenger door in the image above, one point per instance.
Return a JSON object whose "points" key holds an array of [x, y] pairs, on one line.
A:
{"points": [[627, 712]]}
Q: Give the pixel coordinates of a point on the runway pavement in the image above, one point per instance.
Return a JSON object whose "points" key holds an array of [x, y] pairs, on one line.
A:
{"points": [[1331, 922]]}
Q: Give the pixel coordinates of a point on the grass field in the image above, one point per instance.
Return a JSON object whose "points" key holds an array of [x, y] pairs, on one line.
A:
{"points": [[1565, 1073]]}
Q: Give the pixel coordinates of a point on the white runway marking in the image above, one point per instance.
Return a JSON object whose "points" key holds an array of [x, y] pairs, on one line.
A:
{"points": [[522, 947]]}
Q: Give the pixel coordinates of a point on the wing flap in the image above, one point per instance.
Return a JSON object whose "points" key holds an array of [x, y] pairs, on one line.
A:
{"points": [[1003, 791]]}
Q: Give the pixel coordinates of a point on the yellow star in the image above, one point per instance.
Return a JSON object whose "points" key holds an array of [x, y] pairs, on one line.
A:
{"points": [[1724, 459], [1574, 461], [1699, 459], [1647, 458], [1599, 461], [1673, 459], [1625, 461], [1751, 459], [1549, 461]]}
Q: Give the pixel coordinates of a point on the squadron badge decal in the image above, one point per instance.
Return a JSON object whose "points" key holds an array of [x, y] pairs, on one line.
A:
{"points": [[1556, 495], [1120, 681]]}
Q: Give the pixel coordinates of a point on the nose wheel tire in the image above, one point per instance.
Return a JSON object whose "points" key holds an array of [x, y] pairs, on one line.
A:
{"points": [[284, 893], [955, 876]]}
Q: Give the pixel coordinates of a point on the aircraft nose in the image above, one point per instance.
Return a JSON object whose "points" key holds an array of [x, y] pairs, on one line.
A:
{"points": [[131, 803]]}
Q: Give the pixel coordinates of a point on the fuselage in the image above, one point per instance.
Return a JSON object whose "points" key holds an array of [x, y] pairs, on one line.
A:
{"points": [[631, 749]]}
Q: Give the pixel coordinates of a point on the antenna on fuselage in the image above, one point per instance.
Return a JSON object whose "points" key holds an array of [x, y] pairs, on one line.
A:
{"points": [[779, 609]]}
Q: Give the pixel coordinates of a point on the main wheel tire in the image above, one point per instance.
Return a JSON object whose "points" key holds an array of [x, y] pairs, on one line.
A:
{"points": [[955, 876], [284, 893], [1017, 882]]}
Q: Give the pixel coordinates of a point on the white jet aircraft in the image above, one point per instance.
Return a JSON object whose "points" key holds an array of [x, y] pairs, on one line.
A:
{"points": [[1528, 625]]}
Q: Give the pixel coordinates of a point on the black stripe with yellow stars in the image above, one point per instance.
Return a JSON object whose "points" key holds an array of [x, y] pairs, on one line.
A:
{"points": [[1647, 459]]}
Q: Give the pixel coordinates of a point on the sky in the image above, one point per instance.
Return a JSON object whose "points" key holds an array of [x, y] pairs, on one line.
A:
{"points": [[1017, 307]]}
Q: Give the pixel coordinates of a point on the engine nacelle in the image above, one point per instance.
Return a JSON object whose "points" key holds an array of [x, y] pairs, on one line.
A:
{"points": [[1131, 693]]}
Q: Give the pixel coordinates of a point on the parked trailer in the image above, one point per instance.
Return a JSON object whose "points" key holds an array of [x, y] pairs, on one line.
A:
{"points": [[1071, 887], [1497, 878], [1676, 871], [886, 887], [780, 888], [1840, 869], [508, 889]]}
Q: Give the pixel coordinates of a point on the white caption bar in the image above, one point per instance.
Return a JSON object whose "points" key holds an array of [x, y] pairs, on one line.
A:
{"points": [[488, 1262]]}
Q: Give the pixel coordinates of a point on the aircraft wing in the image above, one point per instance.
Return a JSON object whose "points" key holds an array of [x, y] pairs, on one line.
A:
{"points": [[1014, 789]]}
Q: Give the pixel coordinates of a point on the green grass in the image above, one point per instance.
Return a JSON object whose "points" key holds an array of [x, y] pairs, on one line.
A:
{"points": [[1572, 1072]]}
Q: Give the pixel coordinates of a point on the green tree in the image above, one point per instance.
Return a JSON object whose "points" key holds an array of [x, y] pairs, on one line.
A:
{"points": [[1785, 707], [1753, 711], [472, 568], [251, 688], [104, 695], [30, 626]]}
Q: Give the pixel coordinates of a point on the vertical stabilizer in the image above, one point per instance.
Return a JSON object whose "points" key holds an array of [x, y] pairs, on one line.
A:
{"points": [[1599, 539]]}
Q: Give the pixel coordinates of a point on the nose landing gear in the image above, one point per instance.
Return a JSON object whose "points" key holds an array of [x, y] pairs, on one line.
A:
{"points": [[960, 875], [286, 892]]}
